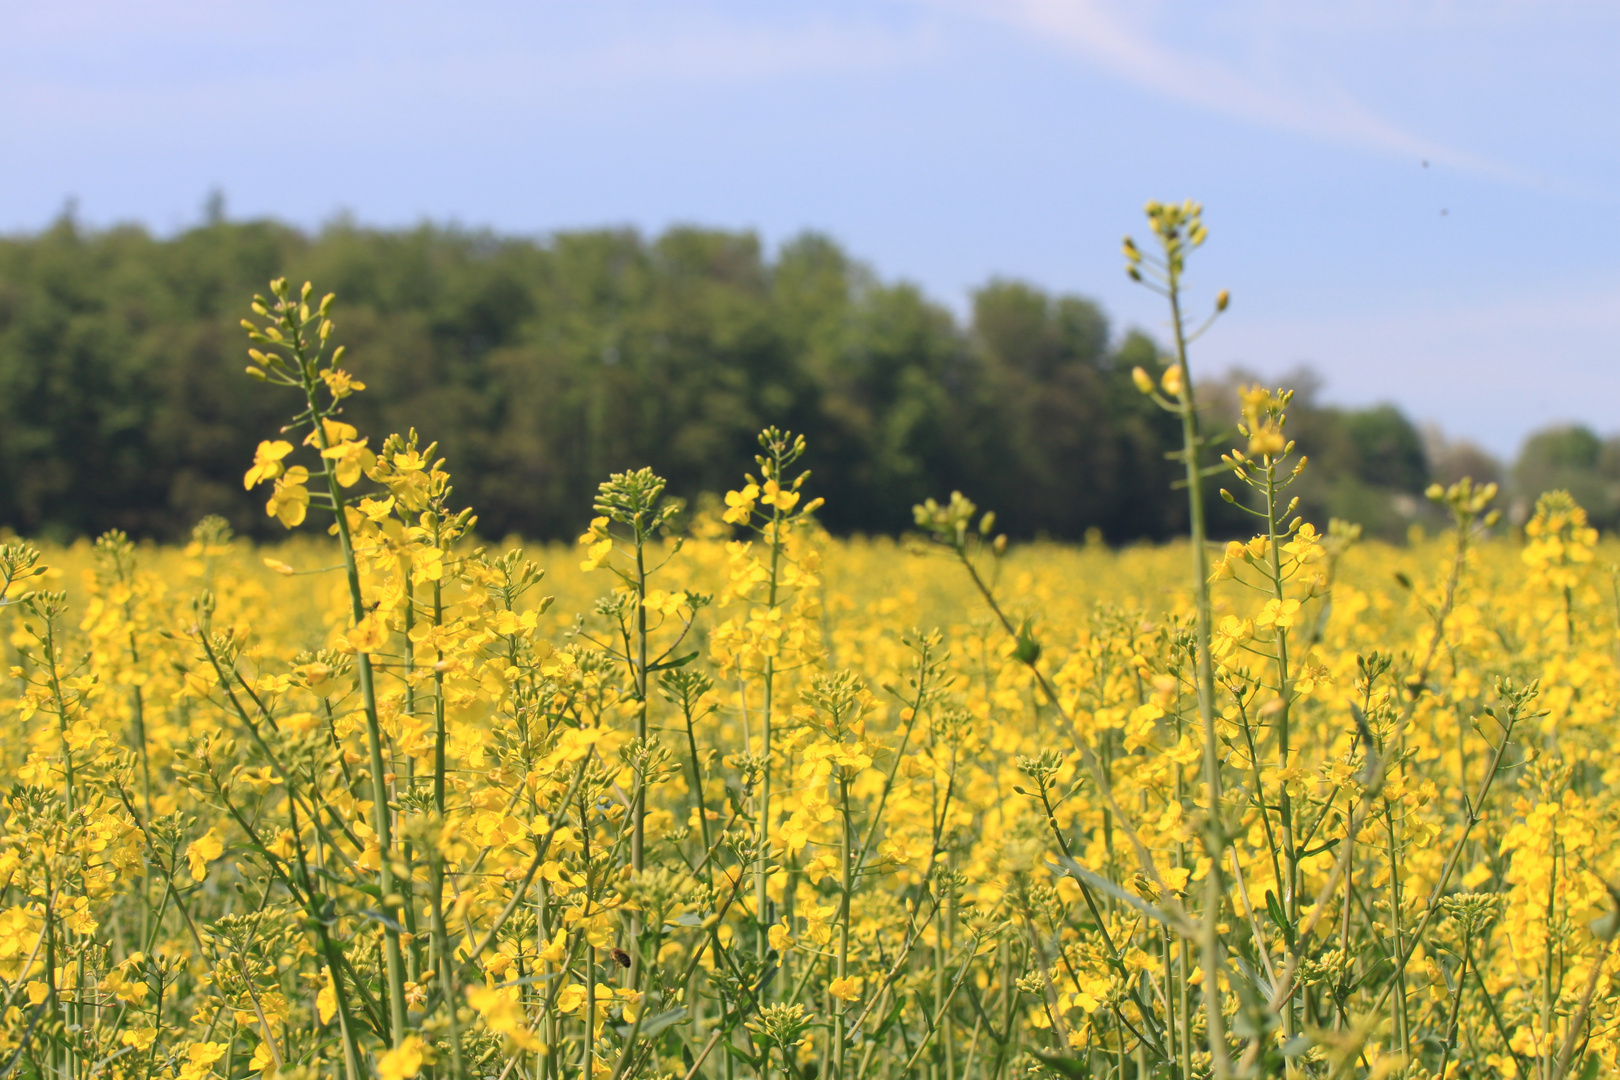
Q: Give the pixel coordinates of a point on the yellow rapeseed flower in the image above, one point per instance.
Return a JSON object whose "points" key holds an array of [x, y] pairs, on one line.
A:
{"points": [[403, 1061], [202, 851], [266, 462]]}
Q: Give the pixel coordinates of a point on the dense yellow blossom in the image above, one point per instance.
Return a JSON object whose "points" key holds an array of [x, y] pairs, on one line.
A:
{"points": [[730, 795]]}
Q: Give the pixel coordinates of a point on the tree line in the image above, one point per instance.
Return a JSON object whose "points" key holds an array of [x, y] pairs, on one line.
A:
{"points": [[541, 365]]}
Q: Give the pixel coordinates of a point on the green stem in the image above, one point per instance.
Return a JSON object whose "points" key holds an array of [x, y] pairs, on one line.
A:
{"points": [[1285, 806], [1456, 1007], [762, 867], [380, 814], [638, 810], [846, 882], [1214, 833]]}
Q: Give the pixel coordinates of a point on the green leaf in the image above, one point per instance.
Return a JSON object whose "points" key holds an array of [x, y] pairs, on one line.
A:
{"points": [[743, 1056], [1254, 1018], [1028, 650], [1080, 873], [1320, 848], [1246, 969], [379, 917], [655, 1024], [1274, 909], [679, 661], [1073, 1068], [663, 1020], [370, 888], [1278, 916], [892, 1019]]}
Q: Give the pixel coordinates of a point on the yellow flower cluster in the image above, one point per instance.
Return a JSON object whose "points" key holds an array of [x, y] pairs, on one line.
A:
{"points": [[914, 773], [739, 797]]}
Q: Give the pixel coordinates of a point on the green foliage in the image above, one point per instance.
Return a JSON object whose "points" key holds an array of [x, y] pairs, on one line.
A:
{"points": [[1571, 458], [544, 365]]}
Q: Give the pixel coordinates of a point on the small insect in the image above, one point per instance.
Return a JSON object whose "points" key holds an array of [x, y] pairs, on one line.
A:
{"points": [[620, 957]]}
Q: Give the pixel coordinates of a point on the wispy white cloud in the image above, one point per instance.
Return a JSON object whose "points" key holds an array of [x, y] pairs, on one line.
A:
{"points": [[1121, 40], [602, 43], [385, 69]]}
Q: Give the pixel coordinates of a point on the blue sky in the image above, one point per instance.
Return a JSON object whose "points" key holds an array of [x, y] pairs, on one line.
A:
{"points": [[943, 141]]}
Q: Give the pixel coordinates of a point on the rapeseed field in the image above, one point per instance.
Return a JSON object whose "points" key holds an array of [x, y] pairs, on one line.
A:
{"points": [[712, 795]]}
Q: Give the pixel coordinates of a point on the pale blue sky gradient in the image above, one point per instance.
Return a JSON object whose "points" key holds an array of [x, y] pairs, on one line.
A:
{"points": [[943, 141]]}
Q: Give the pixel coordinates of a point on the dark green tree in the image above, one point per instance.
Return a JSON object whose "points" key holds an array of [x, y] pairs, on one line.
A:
{"points": [[543, 365], [1572, 458]]}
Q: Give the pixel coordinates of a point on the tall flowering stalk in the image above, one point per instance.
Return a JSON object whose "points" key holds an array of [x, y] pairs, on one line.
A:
{"points": [[291, 340], [769, 506], [1179, 230]]}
